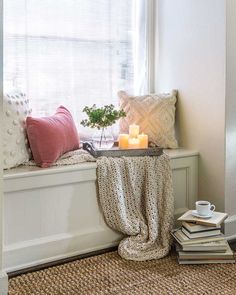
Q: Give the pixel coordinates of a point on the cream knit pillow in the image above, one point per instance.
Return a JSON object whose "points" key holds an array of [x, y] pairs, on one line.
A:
{"points": [[15, 144], [154, 113]]}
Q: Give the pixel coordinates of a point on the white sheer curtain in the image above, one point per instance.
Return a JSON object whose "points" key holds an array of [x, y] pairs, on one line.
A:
{"points": [[74, 52]]}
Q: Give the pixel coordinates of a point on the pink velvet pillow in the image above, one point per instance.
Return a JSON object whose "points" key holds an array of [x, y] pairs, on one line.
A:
{"points": [[51, 137]]}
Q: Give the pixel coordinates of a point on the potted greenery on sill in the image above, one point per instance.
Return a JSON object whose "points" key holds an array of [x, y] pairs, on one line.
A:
{"points": [[101, 119]]}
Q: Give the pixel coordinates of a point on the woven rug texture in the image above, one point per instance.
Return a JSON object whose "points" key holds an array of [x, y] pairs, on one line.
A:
{"points": [[111, 275]]}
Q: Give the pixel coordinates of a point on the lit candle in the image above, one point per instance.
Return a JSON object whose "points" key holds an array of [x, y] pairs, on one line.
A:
{"points": [[123, 141], [134, 143], [133, 130], [143, 139]]}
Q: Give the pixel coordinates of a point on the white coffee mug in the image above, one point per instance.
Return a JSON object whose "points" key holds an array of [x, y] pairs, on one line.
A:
{"points": [[204, 208]]}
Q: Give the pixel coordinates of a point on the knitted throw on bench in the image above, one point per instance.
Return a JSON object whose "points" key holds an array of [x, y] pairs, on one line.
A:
{"points": [[136, 197]]}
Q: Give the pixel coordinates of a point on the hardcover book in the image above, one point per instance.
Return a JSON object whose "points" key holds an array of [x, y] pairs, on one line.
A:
{"points": [[215, 246], [201, 234], [195, 228], [228, 254], [182, 239], [214, 221]]}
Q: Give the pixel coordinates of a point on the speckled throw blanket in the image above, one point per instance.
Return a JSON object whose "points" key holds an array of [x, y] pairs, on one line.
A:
{"points": [[136, 196]]}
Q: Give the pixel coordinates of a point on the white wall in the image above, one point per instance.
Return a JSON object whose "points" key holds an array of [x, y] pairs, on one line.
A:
{"points": [[230, 171], [191, 58]]}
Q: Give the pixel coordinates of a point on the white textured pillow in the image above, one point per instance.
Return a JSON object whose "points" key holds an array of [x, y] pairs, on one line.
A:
{"points": [[15, 144], [154, 113]]}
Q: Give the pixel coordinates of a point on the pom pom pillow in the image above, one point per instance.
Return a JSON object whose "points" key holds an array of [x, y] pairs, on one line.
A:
{"points": [[154, 113], [51, 137], [15, 145]]}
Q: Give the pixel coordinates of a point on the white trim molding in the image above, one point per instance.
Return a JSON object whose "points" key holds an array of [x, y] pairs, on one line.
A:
{"points": [[39, 251], [3, 283], [150, 45]]}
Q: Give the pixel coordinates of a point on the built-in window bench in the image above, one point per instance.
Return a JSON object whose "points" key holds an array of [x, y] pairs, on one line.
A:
{"points": [[53, 213]]}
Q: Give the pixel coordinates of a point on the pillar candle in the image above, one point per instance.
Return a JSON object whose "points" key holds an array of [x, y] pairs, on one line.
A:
{"points": [[123, 141], [133, 130], [143, 139], [134, 143]]}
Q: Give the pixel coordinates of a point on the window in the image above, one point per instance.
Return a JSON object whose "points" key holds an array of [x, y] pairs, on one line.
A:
{"points": [[74, 52]]}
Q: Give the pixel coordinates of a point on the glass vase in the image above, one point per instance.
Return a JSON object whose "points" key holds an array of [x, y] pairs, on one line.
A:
{"points": [[103, 139]]}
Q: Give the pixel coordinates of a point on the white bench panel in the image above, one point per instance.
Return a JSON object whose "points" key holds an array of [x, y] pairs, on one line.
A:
{"points": [[54, 213]]}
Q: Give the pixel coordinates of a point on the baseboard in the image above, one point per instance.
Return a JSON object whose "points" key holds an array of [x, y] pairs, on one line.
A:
{"points": [[40, 251], [59, 262], [230, 227], [3, 283]]}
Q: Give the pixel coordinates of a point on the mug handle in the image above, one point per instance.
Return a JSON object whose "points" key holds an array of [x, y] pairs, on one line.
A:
{"points": [[213, 207]]}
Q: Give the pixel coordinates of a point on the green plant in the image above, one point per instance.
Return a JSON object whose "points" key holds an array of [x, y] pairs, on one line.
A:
{"points": [[103, 117]]}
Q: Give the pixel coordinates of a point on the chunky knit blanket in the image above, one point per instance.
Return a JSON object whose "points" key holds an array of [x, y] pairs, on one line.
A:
{"points": [[70, 158], [136, 197]]}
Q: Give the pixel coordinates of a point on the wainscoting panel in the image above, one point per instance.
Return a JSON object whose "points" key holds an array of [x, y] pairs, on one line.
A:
{"points": [[185, 182], [54, 213]]}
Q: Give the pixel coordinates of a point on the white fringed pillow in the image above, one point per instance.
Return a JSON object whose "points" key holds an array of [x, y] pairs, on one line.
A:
{"points": [[15, 144], [154, 113]]}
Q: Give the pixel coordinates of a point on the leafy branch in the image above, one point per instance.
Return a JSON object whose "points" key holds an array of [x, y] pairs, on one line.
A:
{"points": [[103, 117]]}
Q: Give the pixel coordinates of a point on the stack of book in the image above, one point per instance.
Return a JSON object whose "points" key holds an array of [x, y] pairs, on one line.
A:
{"points": [[200, 240]]}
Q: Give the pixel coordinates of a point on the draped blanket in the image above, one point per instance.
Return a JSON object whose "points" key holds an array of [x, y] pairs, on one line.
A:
{"points": [[136, 197]]}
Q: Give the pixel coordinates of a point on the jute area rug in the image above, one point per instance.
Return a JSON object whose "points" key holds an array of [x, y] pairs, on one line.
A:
{"points": [[109, 274]]}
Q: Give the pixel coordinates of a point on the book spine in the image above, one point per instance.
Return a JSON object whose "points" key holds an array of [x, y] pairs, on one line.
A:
{"points": [[196, 241], [205, 261], [215, 250], [201, 231], [191, 256]]}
